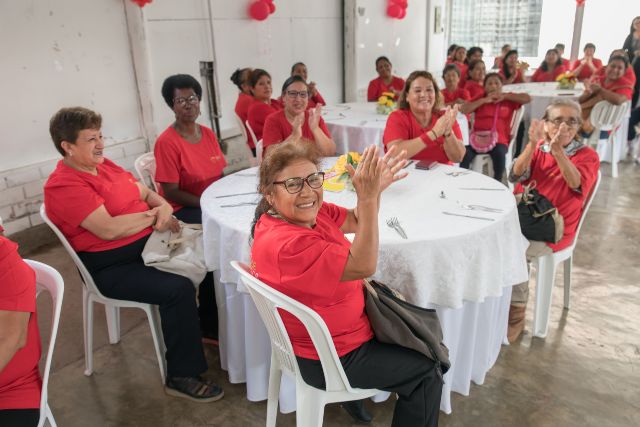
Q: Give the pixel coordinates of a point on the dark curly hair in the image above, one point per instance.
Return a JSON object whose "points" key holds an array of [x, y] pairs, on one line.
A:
{"points": [[236, 77], [505, 68], [179, 81], [68, 122]]}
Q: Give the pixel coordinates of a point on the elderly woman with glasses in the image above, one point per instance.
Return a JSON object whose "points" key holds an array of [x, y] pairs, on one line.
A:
{"points": [[299, 248], [296, 121], [564, 170], [188, 160]]}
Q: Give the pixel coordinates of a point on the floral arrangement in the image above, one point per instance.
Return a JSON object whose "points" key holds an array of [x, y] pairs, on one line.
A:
{"points": [[337, 178], [566, 80], [386, 104]]}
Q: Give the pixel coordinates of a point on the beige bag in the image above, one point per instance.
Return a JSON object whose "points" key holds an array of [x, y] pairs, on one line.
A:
{"points": [[179, 253]]}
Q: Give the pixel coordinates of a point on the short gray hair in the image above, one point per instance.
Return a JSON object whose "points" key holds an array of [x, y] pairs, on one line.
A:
{"points": [[563, 102]]}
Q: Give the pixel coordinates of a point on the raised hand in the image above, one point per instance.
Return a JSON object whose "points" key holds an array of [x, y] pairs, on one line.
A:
{"points": [[560, 139], [392, 167], [296, 132], [367, 178], [312, 88], [536, 131], [314, 117]]}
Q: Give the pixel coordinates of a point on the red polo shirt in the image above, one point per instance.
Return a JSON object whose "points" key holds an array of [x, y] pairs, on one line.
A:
{"points": [[378, 86], [71, 195], [258, 113], [540, 75], [306, 264], [518, 79], [242, 111], [586, 72], [192, 166], [459, 93], [464, 68], [551, 184], [475, 89], [20, 382], [484, 119], [277, 128], [403, 125]]}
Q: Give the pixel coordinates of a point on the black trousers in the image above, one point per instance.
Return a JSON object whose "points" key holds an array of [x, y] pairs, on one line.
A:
{"points": [[497, 154], [121, 274], [634, 119], [207, 308], [19, 417], [391, 368]]}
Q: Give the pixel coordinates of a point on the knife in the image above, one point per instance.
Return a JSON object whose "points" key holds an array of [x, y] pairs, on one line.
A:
{"points": [[468, 216], [236, 194]]}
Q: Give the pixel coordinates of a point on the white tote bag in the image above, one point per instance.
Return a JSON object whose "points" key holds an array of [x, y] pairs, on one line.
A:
{"points": [[179, 253]]}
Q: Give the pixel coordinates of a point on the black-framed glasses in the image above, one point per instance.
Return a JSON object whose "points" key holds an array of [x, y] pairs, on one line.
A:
{"points": [[182, 101], [571, 122], [298, 93], [294, 185]]}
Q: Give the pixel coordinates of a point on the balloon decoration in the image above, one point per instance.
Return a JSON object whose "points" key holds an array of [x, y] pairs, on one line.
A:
{"points": [[261, 9], [580, 3], [141, 3], [397, 9]]}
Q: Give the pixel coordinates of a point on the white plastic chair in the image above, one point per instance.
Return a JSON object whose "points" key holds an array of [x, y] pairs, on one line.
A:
{"points": [[91, 294], [546, 273], [258, 143], [608, 117], [310, 401], [482, 160], [145, 166], [242, 128], [48, 279]]}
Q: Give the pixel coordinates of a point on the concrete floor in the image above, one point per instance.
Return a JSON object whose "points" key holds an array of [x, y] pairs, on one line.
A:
{"points": [[585, 373]]}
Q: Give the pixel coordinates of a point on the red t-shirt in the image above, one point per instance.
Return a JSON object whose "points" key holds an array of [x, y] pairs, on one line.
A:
{"points": [[566, 63], [306, 264], [258, 113], [540, 75], [378, 86], [518, 79], [550, 183], [71, 195], [622, 86], [628, 78], [20, 382], [193, 166], [277, 128], [484, 119], [403, 125], [242, 106], [475, 89], [459, 93], [315, 100], [586, 72], [464, 68]]}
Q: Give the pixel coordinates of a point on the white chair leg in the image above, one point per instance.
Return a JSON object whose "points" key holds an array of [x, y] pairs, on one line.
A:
{"points": [[87, 314], [52, 421], [309, 407], [275, 376], [113, 323], [155, 325], [544, 288], [567, 281], [614, 160]]}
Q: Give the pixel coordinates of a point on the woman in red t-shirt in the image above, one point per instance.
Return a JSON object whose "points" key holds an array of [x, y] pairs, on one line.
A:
{"points": [[512, 71], [475, 80], [299, 69], [585, 67], [295, 121], [564, 170], [107, 217], [452, 92], [262, 105], [485, 110], [549, 69], [299, 249], [498, 60], [188, 160], [459, 59], [419, 125], [20, 381], [386, 81], [612, 87], [240, 78]]}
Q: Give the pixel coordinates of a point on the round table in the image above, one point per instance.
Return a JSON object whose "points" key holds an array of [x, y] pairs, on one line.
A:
{"points": [[541, 95], [356, 125], [463, 266]]}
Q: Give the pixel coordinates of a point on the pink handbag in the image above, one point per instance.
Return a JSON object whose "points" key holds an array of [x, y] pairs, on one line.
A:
{"points": [[483, 141]]}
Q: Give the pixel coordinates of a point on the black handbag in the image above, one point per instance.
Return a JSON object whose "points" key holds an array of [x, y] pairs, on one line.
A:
{"points": [[539, 219], [395, 321]]}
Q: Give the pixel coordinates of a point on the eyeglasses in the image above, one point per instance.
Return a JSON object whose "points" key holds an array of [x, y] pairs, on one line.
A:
{"points": [[294, 185], [298, 93], [182, 101], [571, 122]]}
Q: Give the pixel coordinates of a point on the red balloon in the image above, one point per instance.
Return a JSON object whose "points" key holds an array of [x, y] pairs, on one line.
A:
{"points": [[402, 3], [403, 14], [272, 6], [394, 11], [259, 11]]}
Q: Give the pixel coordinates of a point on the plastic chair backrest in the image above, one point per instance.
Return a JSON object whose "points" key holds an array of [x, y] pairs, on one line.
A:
{"points": [[251, 133], [607, 116], [145, 166], [268, 301], [587, 206], [48, 278], [516, 119], [242, 127], [86, 277]]}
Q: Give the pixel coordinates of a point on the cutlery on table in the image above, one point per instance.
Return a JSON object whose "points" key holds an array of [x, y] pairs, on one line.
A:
{"points": [[455, 174], [239, 204], [468, 216], [409, 163], [479, 207], [236, 194], [395, 224]]}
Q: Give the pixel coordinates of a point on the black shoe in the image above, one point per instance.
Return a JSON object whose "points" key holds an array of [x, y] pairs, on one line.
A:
{"points": [[358, 412]]}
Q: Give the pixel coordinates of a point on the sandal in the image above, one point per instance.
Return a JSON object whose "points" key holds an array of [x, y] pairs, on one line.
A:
{"points": [[196, 389]]}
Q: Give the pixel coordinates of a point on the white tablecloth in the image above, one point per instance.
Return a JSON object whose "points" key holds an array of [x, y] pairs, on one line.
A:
{"points": [[463, 266], [541, 95], [356, 125]]}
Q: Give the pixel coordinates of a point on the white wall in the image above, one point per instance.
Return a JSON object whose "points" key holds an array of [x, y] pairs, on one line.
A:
{"points": [[62, 53]]}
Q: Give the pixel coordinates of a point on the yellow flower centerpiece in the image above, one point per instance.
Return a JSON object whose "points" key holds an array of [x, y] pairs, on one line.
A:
{"points": [[566, 80], [386, 104], [337, 178]]}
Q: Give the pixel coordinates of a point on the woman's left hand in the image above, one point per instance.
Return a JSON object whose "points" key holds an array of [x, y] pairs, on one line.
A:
{"points": [[393, 165], [164, 219], [314, 117]]}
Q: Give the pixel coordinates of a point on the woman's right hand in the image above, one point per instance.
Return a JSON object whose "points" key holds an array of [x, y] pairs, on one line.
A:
{"points": [[367, 177], [296, 133], [536, 132]]}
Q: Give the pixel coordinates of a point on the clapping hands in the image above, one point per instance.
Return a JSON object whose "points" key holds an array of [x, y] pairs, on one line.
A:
{"points": [[314, 117], [444, 124]]}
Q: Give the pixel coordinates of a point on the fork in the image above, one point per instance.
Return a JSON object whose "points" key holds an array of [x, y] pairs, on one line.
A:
{"points": [[395, 224], [455, 174], [479, 207]]}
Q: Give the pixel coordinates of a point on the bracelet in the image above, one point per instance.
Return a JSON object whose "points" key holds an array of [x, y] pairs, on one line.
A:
{"points": [[426, 139]]}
